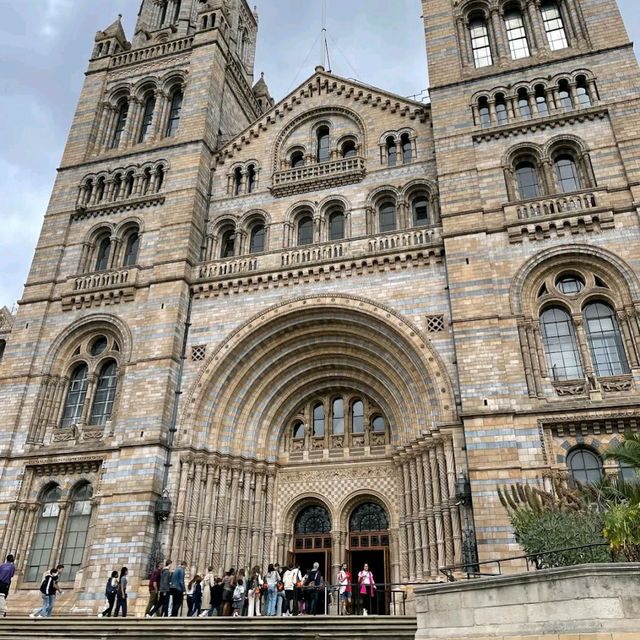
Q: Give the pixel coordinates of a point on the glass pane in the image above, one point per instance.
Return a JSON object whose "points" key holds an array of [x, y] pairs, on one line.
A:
{"points": [[251, 179], [516, 35], [585, 466], [147, 118], [75, 396], [120, 125], [102, 259], [105, 394], [313, 519], [420, 211], [560, 344], [406, 148], [349, 149], [336, 226], [501, 113], [257, 239], [131, 251], [378, 424], [227, 248], [98, 346], [318, 420], [565, 99], [174, 114], [391, 152], [297, 159], [554, 26], [480, 43], [387, 217], [570, 284], [524, 108], [605, 341], [323, 144], [527, 179], [369, 517], [485, 116], [337, 416], [74, 541], [305, 230], [357, 417], [298, 430], [541, 102], [567, 173]]}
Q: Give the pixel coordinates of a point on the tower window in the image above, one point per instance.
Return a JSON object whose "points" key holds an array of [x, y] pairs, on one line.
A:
{"points": [[567, 173], [420, 206], [564, 96], [174, 113], [541, 101], [527, 179], [387, 215], [297, 159], [237, 181], [131, 249], [323, 144], [516, 34], [104, 251], [336, 225], [105, 394], [560, 344], [584, 99], [605, 342], [318, 421], [484, 113], [405, 142], [501, 109], [147, 118], [76, 395], [357, 417], [128, 184], [337, 416], [391, 152], [349, 149], [257, 241], [100, 186], [553, 25], [480, 42], [121, 121], [523, 104], [227, 248], [305, 230], [251, 178], [298, 431]]}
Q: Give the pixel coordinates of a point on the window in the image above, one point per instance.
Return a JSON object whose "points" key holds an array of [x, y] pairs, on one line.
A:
{"points": [[391, 152], [237, 181], [605, 342], [501, 109], [584, 99], [104, 251], [305, 230], [523, 104], [298, 431], [146, 181], [349, 149], [564, 96], [560, 344], [251, 178], [387, 215], [147, 117], [484, 113], [313, 519], [567, 173], [117, 185], [174, 112], [88, 192], [336, 225], [420, 208], [256, 243], [121, 121], [541, 101], [227, 245], [527, 179], [553, 25], [159, 178], [585, 466], [627, 473], [163, 12], [128, 184], [76, 395], [100, 187], [42, 544], [98, 346], [176, 14], [131, 249], [357, 417], [77, 528], [369, 517], [480, 42], [297, 159], [323, 144], [570, 284], [405, 142], [378, 425], [105, 394], [337, 417], [318, 421], [516, 34]]}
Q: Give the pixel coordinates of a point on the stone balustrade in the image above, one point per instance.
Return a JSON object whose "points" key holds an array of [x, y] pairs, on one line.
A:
{"points": [[101, 287], [148, 53], [311, 176], [104, 280], [568, 203]]}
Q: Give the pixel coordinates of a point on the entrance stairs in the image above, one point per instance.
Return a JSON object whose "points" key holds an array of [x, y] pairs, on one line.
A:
{"points": [[295, 628]]}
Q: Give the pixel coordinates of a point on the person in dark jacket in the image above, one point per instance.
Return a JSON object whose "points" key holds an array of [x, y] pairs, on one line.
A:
{"points": [[216, 598], [177, 589], [110, 593], [161, 608], [154, 590], [7, 571], [121, 595]]}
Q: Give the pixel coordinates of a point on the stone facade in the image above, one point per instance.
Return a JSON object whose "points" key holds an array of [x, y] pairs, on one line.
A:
{"points": [[330, 303]]}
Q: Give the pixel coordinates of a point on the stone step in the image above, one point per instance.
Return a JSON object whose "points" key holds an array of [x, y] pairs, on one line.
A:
{"points": [[296, 628]]}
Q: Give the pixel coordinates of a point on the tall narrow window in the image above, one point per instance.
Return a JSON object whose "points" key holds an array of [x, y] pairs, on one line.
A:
{"points": [[501, 109], [176, 13], [297, 430], [391, 152], [40, 559], [237, 181], [251, 178], [484, 113], [337, 417], [560, 344], [227, 245], [131, 249], [387, 216], [105, 394], [305, 230], [100, 188], [88, 192], [564, 96], [541, 101], [527, 179], [163, 12], [318, 421], [117, 187], [567, 173], [76, 395], [147, 117], [75, 537], [584, 99], [378, 424], [349, 149], [584, 465], [405, 142], [297, 159], [104, 251], [516, 34], [323, 144], [336, 225], [256, 243], [146, 181], [121, 121], [174, 112], [420, 208], [128, 184], [523, 104], [159, 178], [553, 25], [605, 341], [480, 42], [357, 417]]}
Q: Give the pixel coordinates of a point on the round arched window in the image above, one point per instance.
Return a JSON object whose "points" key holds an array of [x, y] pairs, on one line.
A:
{"points": [[313, 519], [584, 465], [570, 283], [369, 517]]}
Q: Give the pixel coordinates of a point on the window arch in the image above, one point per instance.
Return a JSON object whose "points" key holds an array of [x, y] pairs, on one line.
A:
{"points": [[103, 254], [407, 151], [105, 393], [132, 245], [527, 179], [322, 142], [387, 216], [391, 151], [147, 117], [77, 528], [349, 149], [251, 178], [480, 44], [237, 181], [564, 96], [336, 224], [502, 115], [257, 239], [297, 159], [605, 341], [175, 112], [357, 417], [582, 91], [516, 33], [378, 424], [42, 544], [318, 420], [121, 122], [484, 112], [228, 243], [313, 519], [305, 230], [554, 25], [566, 170], [560, 344], [420, 210], [524, 107], [369, 516], [585, 466], [541, 100], [337, 416]]}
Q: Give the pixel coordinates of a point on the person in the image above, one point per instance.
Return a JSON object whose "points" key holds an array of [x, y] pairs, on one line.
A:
{"points": [[154, 590], [161, 608], [48, 589], [289, 579], [216, 597], [239, 594], [194, 596], [344, 592], [313, 580], [207, 583], [281, 600], [271, 579], [121, 594], [367, 589], [228, 585], [110, 591], [254, 592], [7, 571], [176, 589]]}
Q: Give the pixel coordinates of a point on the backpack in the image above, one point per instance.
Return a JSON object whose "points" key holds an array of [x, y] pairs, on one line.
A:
{"points": [[238, 592], [111, 588]]}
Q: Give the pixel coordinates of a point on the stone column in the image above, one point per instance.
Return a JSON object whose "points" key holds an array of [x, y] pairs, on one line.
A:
{"points": [[585, 352], [403, 548], [219, 521], [537, 37], [623, 321], [415, 518], [437, 501], [422, 518], [178, 519], [431, 520], [409, 520], [463, 38], [256, 521], [497, 24]]}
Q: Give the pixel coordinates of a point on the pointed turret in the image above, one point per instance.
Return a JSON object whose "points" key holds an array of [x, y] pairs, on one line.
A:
{"points": [[111, 40], [261, 92]]}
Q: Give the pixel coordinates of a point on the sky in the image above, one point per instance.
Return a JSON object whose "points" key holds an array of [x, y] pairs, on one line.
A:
{"points": [[45, 46]]}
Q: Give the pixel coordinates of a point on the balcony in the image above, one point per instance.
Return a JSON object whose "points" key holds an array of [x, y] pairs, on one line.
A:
{"points": [[102, 287], [318, 176], [153, 52]]}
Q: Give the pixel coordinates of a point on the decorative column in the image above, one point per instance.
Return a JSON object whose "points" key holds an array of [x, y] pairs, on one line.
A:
{"points": [[423, 569], [178, 518], [403, 547], [537, 37], [56, 547], [231, 539], [415, 518], [585, 353], [219, 522], [243, 551], [497, 23], [623, 321], [446, 515], [437, 501], [268, 530], [409, 521], [463, 29], [453, 502], [431, 519], [256, 521], [159, 115]]}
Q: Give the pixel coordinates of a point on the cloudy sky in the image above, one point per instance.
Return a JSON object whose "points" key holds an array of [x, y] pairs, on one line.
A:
{"points": [[45, 47]]}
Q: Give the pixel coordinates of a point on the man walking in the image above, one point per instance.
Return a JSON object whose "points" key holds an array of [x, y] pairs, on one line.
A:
{"points": [[154, 590], [177, 589], [7, 571], [48, 589]]}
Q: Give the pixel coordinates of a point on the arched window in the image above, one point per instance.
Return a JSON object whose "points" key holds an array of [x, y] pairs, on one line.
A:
{"points": [[105, 394], [104, 251], [336, 225], [75, 537], [298, 430], [553, 25], [484, 113], [501, 109], [378, 424], [117, 186], [146, 181], [369, 517], [251, 178], [322, 137], [305, 230], [337, 417], [527, 179], [176, 13], [391, 151], [541, 101], [128, 184], [88, 192], [100, 188], [147, 117], [227, 244], [387, 216], [121, 121], [480, 42], [584, 465], [523, 104], [163, 12], [256, 242], [237, 181], [159, 178], [605, 342], [318, 420], [570, 284], [560, 344], [357, 417], [40, 559], [313, 519], [420, 209], [584, 99], [567, 173], [516, 34], [297, 159], [174, 112], [405, 142], [76, 395], [349, 149], [131, 249], [564, 96]]}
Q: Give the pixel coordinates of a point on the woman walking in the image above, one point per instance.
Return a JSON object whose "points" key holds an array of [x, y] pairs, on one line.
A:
{"points": [[272, 579], [110, 593], [121, 595], [367, 589], [228, 585], [207, 584], [254, 592]]}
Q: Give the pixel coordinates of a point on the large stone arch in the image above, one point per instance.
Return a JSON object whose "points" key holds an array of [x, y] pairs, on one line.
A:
{"points": [[251, 383]]}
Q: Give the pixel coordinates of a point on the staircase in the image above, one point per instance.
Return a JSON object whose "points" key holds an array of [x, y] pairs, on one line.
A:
{"points": [[297, 628]]}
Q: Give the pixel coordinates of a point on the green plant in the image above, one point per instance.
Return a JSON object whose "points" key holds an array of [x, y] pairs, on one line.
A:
{"points": [[626, 452], [622, 530]]}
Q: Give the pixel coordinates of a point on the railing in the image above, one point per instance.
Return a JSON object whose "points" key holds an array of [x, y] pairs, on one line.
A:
{"points": [[312, 254], [567, 556], [568, 203], [410, 238], [227, 267], [102, 280], [165, 48], [303, 178]]}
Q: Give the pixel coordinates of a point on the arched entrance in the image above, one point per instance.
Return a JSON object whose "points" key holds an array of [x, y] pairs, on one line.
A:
{"points": [[312, 539]]}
